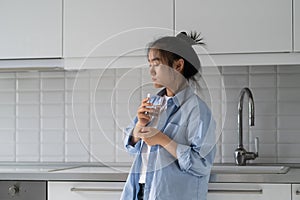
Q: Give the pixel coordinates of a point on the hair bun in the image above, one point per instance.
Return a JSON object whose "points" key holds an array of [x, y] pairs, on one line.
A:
{"points": [[192, 39]]}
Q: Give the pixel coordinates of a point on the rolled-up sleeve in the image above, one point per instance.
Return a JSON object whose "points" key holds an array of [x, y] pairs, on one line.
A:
{"points": [[132, 149], [190, 158]]}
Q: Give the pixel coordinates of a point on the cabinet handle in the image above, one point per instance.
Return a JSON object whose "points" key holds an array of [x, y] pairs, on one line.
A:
{"points": [[74, 189], [297, 192], [246, 191]]}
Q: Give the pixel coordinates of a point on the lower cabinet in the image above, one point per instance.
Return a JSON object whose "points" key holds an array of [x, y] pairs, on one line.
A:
{"points": [[84, 190], [295, 191], [248, 191], [58, 190]]}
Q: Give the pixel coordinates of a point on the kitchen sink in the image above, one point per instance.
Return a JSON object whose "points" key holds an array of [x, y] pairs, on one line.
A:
{"points": [[249, 169]]}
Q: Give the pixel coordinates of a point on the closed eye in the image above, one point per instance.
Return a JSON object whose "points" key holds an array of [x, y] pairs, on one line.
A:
{"points": [[154, 62]]}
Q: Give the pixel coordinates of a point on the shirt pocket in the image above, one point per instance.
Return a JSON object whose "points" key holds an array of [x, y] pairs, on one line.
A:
{"points": [[174, 130], [171, 129]]}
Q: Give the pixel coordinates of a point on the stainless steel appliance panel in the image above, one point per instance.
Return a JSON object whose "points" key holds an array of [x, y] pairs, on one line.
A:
{"points": [[23, 190]]}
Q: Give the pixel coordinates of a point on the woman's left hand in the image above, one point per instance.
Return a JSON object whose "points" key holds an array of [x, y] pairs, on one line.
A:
{"points": [[152, 136]]}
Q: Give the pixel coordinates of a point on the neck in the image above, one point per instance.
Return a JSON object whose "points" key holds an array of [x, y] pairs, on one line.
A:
{"points": [[169, 93]]}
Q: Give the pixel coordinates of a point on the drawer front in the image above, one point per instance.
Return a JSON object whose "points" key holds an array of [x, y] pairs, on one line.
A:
{"points": [[84, 190], [248, 191]]}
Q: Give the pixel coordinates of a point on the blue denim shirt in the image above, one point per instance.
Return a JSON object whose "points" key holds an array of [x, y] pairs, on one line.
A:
{"points": [[191, 126]]}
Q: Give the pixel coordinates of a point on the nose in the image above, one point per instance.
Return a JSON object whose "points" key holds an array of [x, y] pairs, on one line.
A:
{"points": [[152, 71]]}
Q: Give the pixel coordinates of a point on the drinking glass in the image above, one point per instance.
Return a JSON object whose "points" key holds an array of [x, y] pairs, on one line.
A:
{"points": [[155, 113]]}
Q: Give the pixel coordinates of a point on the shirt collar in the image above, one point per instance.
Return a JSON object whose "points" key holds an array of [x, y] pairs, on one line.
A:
{"points": [[180, 97]]}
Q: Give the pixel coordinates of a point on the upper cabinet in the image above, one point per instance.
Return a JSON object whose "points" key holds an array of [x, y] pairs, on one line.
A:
{"points": [[234, 26], [98, 28], [257, 32], [30, 29], [296, 25]]}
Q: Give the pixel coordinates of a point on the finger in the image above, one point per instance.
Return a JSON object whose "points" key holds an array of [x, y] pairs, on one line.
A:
{"points": [[145, 104], [144, 116], [149, 132], [144, 109], [145, 100]]}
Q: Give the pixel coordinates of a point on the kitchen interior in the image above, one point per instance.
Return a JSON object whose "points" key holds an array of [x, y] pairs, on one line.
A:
{"points": [[72, 74]]}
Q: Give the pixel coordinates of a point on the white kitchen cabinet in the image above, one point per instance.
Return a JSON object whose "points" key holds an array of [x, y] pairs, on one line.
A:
{"points": [[235, 26], [84, 190], [30, 29], [295, 191], [248, 191], [98, 28], [296, 5]]}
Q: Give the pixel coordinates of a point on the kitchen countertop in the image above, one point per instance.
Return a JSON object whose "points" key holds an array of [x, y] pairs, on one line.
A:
{"points": [[119, 172], [64, 172]]}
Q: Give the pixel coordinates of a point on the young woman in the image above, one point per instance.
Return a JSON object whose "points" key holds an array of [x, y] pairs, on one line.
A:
{"points": [[174, 158]]}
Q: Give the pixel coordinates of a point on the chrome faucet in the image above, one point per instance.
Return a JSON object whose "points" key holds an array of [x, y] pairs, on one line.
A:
{"points": [[240, 154]]}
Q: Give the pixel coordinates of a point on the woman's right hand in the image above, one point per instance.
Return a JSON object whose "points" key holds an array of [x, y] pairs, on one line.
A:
{"points": [[143, 119]]}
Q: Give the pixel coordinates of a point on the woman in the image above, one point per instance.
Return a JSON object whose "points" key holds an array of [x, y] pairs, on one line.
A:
{"points": [[173, 159]]}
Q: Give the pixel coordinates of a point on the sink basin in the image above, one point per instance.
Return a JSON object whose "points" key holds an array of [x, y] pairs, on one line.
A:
{"points": [[249, 169]]}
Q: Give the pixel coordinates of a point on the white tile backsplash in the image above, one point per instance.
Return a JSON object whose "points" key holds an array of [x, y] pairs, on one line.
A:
{"points": [[288, 108], [289, 94], [7, 150], [8, 97], [235, 70], [52, 136], [7, 84], [262, 69], [262, 80], [56, 123], [52, 150], [28, 84], [28, 97], [289, 122], [32, 123], [8, 123], [54, 84], [7, 110], [37, 111], [27, 110], [52, 97], [27, 136]]}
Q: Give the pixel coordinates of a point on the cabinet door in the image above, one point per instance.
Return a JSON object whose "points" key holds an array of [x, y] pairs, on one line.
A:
{"points": [[84, 190], [297, 25], [248, 191], [234, 26], [98, 28], [296, 192], [30, 29]]}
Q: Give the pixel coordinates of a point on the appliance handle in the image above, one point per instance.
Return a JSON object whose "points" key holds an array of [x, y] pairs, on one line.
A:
{"points": [[77, 189], [245, 191]]}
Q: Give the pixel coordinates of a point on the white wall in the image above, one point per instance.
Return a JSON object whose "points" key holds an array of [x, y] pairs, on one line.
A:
{"points": [[37, 112]]}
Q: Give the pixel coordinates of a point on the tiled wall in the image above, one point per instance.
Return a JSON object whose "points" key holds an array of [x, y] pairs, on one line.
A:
{"points": [[79, 117]]}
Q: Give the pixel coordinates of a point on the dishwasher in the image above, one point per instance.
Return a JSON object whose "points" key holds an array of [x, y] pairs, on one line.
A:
{"points": [[23, 190]]}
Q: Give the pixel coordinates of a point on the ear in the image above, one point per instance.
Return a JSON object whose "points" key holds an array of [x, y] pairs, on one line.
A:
{"points": [[179, 65]]}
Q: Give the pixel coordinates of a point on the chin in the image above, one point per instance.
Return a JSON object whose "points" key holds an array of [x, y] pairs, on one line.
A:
{"points": [[156, 85]]}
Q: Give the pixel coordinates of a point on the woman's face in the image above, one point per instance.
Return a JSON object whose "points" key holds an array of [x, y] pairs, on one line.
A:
{"points": [[155, 68], [163, 75]]}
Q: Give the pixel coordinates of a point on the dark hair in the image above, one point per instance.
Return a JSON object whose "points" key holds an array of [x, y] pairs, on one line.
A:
{"points": [[180, 47]]}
